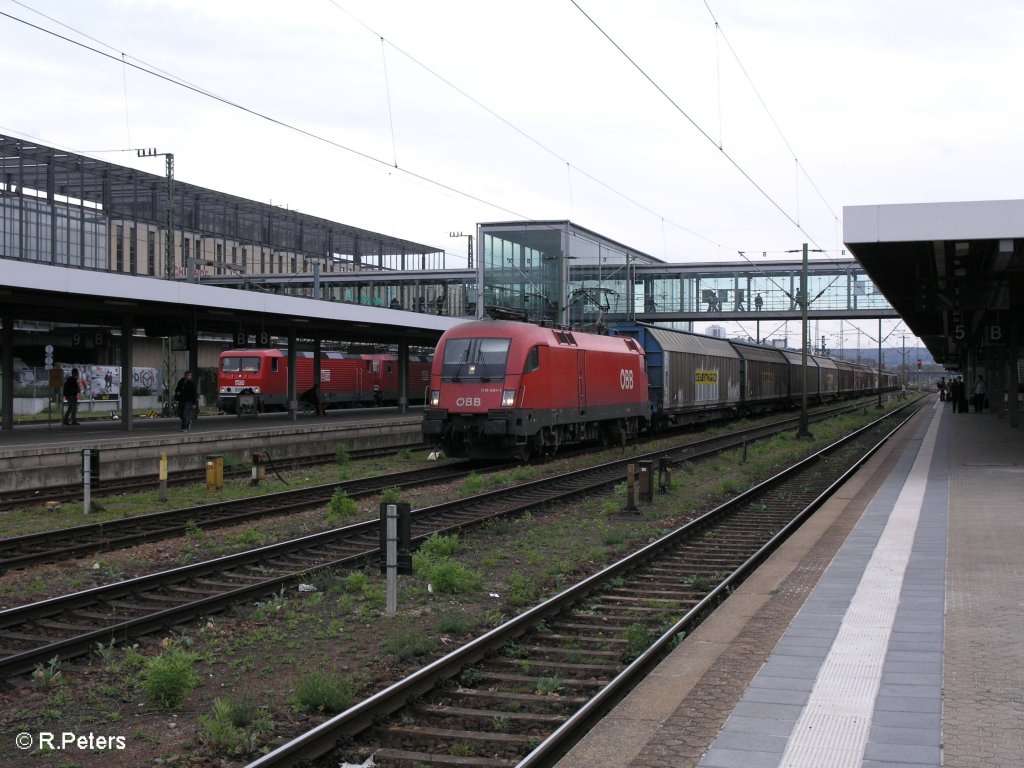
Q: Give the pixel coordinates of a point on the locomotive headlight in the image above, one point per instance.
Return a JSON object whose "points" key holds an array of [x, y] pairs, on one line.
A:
{"points": [[435, 398], [508, 398]]}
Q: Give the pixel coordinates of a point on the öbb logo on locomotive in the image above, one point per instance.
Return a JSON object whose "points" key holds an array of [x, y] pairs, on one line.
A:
{"points": [[625, 379]]}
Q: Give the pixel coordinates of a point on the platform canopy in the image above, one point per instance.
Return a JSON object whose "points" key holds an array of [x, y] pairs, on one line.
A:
{"points": [[953, 271]]}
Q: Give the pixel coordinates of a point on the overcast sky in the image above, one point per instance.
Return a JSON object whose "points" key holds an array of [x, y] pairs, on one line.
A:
{"points": [[416, 118]]}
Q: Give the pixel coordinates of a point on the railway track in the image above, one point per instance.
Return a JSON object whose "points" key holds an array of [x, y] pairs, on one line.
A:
{"points": [[72, 625], [524, 692], [81, 540], [73, 492], [64, 543]]}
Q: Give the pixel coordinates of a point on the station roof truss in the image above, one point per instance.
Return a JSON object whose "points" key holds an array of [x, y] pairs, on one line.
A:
{"points": [[120, 192]]}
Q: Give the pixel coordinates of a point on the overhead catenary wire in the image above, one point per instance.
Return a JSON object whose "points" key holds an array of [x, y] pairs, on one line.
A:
{"points": [[393, 163], [387, 90], [732, 161], [764, 105], [509, 124], [276, 121], [156, 72], [570, 166], [174, 79]]}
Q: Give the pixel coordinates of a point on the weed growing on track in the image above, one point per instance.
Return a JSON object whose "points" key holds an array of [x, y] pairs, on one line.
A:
{"points": [[234, 727], [474, 484], [521, 590], [408, 644], [168, 677], [48, 675], [323, 692], [341, 509], [392, 495]]}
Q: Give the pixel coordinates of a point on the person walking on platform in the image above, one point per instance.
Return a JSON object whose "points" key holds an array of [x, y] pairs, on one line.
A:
{"points": [[979, 394], [70, 391], [185, 394]]}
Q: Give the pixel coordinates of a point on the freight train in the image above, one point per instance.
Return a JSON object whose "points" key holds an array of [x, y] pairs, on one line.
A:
{"points": [[346, 380], [506, 389], [698, 378]]}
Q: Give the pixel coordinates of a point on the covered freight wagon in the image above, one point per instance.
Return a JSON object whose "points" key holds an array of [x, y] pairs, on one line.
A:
{"points": [[692, 377]]}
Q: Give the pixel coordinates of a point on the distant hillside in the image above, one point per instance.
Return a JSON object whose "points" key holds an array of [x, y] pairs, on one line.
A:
{"points": [[892, 358]]}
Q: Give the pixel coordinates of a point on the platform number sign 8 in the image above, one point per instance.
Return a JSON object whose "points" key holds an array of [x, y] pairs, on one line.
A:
{"points": [[264, 339], [625, 379]]}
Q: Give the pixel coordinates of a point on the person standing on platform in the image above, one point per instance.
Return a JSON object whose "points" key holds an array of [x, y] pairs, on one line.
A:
{"points": [[70, 391], [979, 394], [758, 302], [185, 394], [953, 392]]}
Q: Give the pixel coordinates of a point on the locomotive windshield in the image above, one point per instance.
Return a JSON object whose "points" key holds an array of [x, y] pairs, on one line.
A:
{"points": [[243, 364], [481, 359]]}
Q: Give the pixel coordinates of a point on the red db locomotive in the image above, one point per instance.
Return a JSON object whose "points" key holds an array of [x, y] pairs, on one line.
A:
{"points": [[345, 379]]}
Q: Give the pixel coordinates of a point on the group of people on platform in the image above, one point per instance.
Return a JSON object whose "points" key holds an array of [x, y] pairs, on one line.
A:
{"points": [[956, 392], [185, 395]]}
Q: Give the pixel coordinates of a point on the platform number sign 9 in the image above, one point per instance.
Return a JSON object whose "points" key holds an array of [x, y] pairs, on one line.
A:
{"points": [[625, 379], [89, 339]]}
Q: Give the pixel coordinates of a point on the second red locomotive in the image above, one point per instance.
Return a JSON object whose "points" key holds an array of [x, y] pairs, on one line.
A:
{"points": [[503, 389], [345, 379]]}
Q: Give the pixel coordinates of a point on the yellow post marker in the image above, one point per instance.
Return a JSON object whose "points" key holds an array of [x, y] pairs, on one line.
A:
{"points": [[214, 473], [163, 476]]}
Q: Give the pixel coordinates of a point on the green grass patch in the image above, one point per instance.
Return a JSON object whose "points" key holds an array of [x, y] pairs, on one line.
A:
{"points": [[408, 644], [323, 692], [168, 677]]}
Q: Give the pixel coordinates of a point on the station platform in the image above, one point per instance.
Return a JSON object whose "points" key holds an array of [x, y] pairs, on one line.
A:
{"points": [[40, 455], [888, 631]]}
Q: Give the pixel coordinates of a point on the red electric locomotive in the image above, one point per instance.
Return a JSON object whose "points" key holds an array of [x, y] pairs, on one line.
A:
{"points": [[345, 379], [507, 389]]}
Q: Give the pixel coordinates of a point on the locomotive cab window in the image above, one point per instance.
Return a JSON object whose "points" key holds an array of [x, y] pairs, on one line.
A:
{"points": [[236, 364], [475, 359], [532, 360]]}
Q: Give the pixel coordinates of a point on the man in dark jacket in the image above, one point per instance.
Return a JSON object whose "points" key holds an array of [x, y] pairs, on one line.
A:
{"points": [[70, 391], [185, 394]]}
